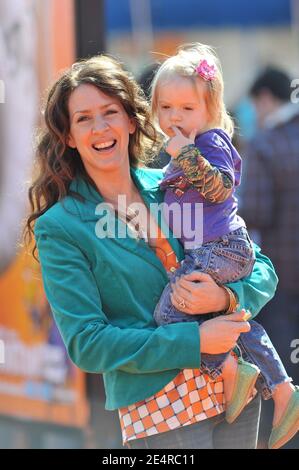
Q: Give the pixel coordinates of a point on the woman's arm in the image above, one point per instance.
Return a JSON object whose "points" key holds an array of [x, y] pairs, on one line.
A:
{"points": [[93, 343], [206, 296], [259, 288]]}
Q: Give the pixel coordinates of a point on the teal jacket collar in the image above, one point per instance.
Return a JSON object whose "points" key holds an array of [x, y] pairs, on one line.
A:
{"points": [[149, 189]]}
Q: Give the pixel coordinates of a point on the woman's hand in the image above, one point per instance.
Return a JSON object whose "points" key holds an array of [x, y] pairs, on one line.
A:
{"points": [[178, 141], [199, 297], [221, 334]]}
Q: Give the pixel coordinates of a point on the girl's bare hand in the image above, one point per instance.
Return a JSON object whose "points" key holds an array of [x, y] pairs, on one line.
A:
{"points": [[178, 141]]}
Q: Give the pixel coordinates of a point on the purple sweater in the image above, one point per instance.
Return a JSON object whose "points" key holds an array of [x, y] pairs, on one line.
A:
{"points": [[209, 220]]}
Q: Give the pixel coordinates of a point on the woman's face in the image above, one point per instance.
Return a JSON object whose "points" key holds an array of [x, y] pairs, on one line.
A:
{"points": [[99, 129]]}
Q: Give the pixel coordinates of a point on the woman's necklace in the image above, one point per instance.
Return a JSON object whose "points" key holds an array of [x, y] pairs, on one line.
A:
{"points": [[132, 219], [137, 219]]}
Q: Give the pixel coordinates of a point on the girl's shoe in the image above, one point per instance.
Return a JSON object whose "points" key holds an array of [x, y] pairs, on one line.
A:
{"points": [[288, 424], [246, 377]]}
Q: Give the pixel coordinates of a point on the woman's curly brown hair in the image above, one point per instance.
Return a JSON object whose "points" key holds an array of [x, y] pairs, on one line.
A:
{"points": [[57, 164]]}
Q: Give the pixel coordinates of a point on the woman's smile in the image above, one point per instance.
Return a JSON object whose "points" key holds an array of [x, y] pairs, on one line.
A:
{"points": [[104, 146], [99, 147]]}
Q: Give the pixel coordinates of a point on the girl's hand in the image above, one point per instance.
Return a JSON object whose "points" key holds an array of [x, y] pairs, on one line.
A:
{"points": [[200, 297], [221, 334], [178, 141]]}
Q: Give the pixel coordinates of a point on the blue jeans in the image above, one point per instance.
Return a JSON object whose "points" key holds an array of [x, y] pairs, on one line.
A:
{"points": [[227, 259], [211, 433]]}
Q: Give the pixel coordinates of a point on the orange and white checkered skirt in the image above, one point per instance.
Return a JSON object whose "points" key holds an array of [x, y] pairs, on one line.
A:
{"points": [[189, 398]]}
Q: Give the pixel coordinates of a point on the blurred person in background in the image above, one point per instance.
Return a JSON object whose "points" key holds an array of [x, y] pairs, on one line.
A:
{"points": [[145, 81], [270, 205], [146, 77]]}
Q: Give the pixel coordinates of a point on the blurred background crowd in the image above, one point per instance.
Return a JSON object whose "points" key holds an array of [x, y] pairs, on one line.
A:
{"points": [[45, 402]]}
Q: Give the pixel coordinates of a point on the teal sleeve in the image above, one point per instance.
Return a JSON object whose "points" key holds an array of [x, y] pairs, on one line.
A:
{"points": [[257, 289], [93, 343]]}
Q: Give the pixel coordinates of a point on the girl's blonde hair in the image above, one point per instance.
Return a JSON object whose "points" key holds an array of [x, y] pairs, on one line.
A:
{"points": [[184, 64]]}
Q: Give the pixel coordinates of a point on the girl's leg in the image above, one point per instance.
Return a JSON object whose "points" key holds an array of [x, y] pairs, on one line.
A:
{"points": [[194, 436], [274, 381], [229, 372], [242, 433], [221, 364]]}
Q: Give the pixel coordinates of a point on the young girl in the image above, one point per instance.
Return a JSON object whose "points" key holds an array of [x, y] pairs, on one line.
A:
{"points": [[187, 104]]}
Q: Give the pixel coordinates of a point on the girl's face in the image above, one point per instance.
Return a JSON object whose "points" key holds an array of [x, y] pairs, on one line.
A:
{"points": [[181, 103], [99, 129]]}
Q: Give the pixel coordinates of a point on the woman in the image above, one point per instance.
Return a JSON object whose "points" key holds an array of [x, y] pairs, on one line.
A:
{"points": [[104, 266]]}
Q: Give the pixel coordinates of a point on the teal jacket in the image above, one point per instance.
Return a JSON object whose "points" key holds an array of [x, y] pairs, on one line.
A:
{"points": [[103, 292]]}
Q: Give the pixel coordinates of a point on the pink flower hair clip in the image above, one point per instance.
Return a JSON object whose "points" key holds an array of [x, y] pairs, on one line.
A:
{"points": [[205, 70]]}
